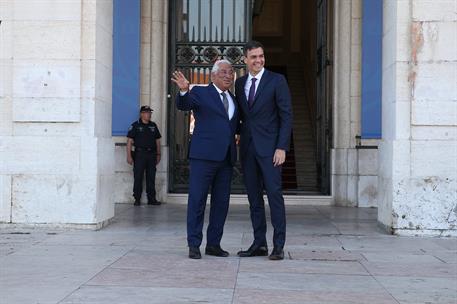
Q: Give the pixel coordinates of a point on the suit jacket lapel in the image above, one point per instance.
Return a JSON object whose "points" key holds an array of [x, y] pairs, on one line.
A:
{"points": [[217, 97], [235, 110], [263, 81], [243, 99]]}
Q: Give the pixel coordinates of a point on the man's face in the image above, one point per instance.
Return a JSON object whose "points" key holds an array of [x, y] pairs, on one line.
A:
{"points": [[223, 78], [146, 116], [255, 60]]}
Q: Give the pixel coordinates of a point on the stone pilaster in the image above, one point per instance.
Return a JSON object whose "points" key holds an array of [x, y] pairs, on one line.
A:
{"points": [[418, 163], [55, 140]]}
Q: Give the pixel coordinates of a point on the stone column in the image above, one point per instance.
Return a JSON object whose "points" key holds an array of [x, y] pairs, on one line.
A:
{"points": [[55, 135], [418, 153], [354, 171], [159, 84]]}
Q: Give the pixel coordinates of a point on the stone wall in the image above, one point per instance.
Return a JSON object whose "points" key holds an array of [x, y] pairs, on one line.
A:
{"points": [[55, 107], [418, 153]]}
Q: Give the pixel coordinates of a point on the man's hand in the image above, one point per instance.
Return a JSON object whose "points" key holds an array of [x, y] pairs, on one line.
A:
{"points": [[158, 159], [129, 151], [237, 139], [181, 81], [279, 158]]}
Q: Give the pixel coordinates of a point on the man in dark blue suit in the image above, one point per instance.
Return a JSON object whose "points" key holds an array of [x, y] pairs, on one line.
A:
{"points": [[266, 115], [212, 154]]}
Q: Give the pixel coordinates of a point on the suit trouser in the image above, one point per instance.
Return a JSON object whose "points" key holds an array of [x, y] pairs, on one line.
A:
{"points": [[259, 173], [144, 161], [203, 175]]}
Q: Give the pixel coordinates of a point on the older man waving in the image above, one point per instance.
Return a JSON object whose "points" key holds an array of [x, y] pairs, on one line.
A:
{"points": [[212, 154]]}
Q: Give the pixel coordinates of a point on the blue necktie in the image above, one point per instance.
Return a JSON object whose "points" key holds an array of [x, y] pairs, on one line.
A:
{"points": [[251, 93], [225, 102]]}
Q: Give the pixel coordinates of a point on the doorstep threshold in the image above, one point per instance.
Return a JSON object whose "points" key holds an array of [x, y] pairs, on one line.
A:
{"points": [[242, 199]]}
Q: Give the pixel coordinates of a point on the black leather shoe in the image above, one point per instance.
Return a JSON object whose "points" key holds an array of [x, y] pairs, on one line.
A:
{"points": [[137, 203], [254, 250], [154, 202], [194, 253], [216, 251], [277, 254]]}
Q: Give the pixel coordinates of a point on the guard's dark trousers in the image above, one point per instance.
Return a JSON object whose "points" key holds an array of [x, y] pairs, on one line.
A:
{"points": [[144, 161]]}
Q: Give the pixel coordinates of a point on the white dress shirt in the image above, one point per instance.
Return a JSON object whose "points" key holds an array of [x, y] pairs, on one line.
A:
{"points": [[247, 86], [231, 108]]}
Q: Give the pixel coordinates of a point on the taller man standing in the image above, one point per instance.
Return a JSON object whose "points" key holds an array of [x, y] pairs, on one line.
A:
{"points": [[266, 122]]}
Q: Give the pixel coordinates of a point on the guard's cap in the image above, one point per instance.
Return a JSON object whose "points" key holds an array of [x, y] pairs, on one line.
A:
{"points": [[145, 109]]}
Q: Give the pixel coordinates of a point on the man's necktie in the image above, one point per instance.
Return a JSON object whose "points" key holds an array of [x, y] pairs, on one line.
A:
{"points": [[251, 93], [225, 102]]}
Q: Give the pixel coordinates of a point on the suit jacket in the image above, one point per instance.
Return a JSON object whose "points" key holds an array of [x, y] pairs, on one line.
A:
{"points": [[269, 121], [214, 132]]}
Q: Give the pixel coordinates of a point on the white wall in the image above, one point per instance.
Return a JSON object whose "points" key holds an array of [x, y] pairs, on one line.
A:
{"points": [[55, 104], [418, 154]]}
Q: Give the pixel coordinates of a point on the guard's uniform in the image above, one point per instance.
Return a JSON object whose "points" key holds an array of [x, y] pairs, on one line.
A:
{"points": [[145, 157]]}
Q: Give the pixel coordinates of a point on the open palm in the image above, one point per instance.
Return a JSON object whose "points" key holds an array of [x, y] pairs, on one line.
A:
{"points": [[180, 80]]}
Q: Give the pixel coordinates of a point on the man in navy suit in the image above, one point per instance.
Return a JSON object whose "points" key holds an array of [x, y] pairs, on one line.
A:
{"points": [[266, 115], [212, 154]]}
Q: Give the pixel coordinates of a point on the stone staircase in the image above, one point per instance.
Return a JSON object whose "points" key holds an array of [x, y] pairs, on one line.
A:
{"points": [[304, 152]]}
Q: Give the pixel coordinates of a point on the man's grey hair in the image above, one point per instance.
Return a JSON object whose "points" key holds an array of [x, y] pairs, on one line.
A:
{"points": [[217, 64]]}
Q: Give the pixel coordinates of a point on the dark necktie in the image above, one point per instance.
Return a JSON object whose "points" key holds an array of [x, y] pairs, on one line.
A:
{"points": [[225, 102], [251, 93]]}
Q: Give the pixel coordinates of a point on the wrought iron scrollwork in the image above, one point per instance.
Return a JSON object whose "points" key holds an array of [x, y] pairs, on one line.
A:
{"points": [[195, 54], [185, 54], [234, 55]]}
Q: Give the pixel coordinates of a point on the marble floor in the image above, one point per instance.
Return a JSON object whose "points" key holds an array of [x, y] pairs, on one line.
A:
{"points": [[333, 255]]}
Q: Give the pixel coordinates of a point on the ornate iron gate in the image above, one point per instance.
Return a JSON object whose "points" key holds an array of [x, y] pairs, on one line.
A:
{"points": [[201, 32]]}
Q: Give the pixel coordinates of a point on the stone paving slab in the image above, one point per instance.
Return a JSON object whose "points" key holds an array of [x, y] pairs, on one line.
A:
{"points": [[150, 295], [333, 255]]}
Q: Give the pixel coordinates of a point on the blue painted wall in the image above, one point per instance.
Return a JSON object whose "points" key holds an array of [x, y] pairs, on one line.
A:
{"points": [[126, 64], [371, 68]]}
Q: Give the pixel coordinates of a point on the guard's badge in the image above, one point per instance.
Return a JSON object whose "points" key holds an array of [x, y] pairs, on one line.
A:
{"points": [[130, 128], [152, 128]]}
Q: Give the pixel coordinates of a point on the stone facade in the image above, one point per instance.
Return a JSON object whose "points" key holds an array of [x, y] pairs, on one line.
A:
{"points": [[55, 106], [418, 153], [59, 163]]}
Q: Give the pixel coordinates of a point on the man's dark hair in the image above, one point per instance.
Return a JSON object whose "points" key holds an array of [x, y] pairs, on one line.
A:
{"points": [[253, 44]]}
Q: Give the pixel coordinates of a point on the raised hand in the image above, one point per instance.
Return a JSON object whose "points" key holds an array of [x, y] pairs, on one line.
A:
{"points": [[181, 81]]}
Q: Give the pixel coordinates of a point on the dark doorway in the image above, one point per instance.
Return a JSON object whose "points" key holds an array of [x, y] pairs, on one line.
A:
{"points": [[295, 34]]}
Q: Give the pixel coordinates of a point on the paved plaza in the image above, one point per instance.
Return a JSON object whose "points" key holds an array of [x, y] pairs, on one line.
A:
{"points": [[333, 255]]}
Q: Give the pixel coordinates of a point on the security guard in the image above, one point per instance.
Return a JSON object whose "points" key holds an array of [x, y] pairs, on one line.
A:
{"points": [[145, 136]]}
